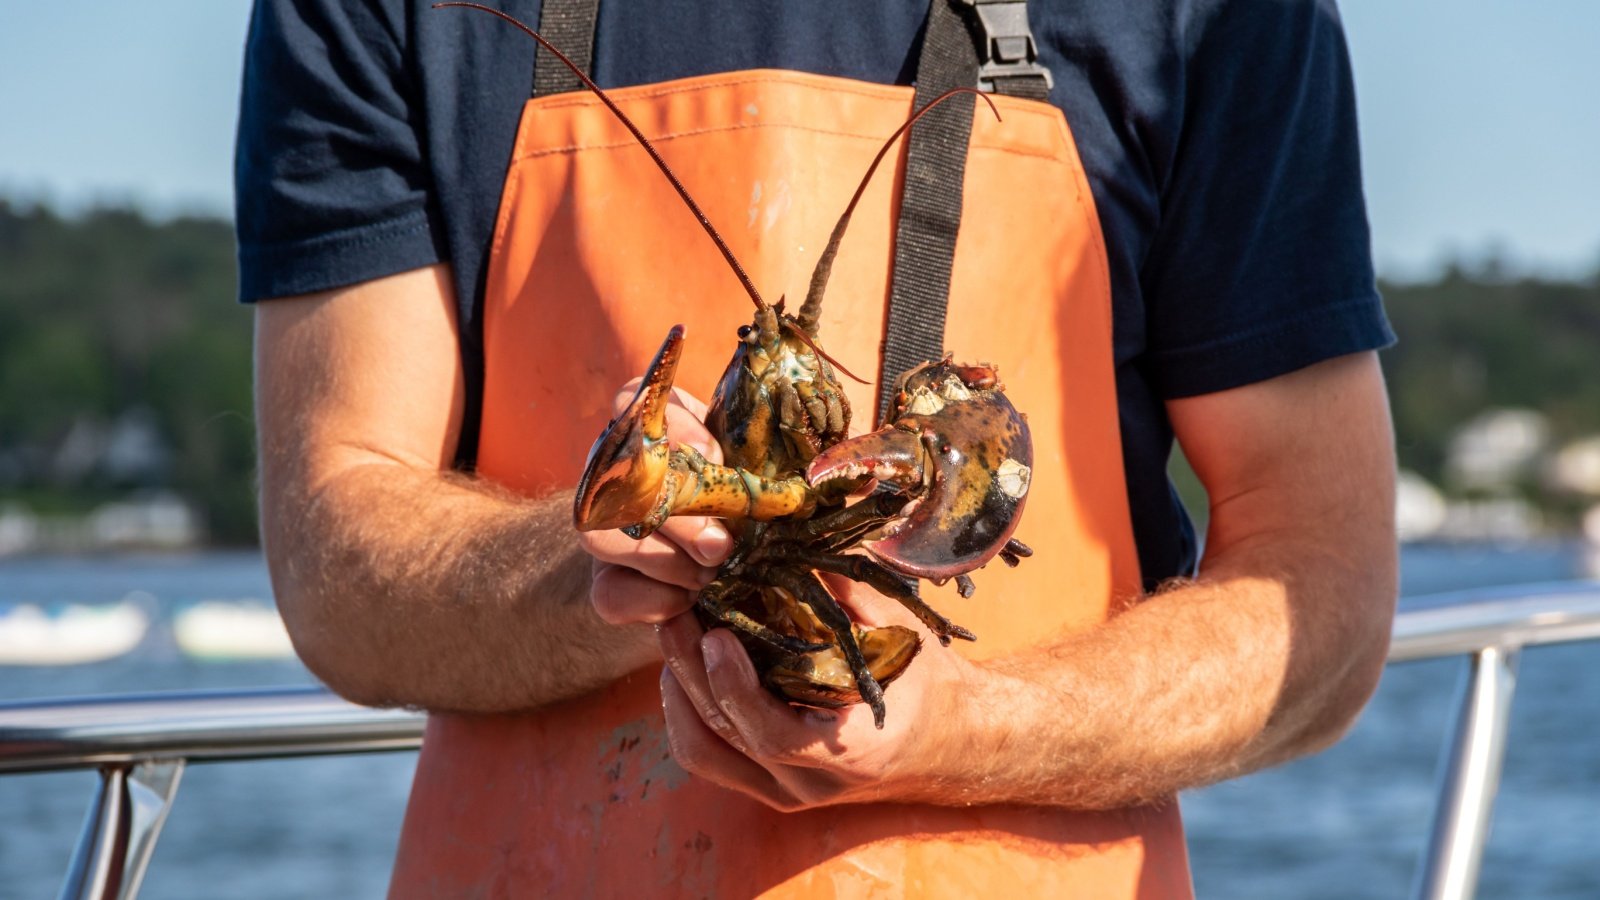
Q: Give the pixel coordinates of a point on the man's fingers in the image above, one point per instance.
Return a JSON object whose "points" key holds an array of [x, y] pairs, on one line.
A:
{"points": [[690, 402], [704, 538], [622, 596], [680, 647], [770, 729], [655, 556], [717, 676], [685, 428], [702, 752]]}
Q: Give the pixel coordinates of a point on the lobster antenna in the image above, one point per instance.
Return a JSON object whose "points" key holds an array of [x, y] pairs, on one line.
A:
{"points": [[694, 207], [811, 309]]}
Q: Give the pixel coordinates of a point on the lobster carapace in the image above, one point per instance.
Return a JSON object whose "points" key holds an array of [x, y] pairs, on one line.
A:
{"points": [[933, 494]]}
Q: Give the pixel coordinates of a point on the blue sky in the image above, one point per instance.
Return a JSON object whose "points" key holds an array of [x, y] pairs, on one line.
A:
{"points": [[1480, 118]]}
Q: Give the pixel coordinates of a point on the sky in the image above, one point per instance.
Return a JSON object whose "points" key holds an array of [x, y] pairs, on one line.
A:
{"points": [[1480, 119]]}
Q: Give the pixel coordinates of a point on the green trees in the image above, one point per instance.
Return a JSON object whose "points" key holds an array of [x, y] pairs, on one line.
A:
{"points": [[1470, 342], [114, 319], [111, 324]]}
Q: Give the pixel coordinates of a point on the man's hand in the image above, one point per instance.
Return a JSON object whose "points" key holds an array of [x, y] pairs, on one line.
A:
{"points": [[726, 727]]}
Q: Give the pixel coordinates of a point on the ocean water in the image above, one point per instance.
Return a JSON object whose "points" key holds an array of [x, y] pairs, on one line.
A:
{"points": [[1347, 823], [1350, 822]]}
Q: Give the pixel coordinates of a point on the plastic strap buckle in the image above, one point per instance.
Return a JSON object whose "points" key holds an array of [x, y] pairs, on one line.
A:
{"points": [[1007, 50]]}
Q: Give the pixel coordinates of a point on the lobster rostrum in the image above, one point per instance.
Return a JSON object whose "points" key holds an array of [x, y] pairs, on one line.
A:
{"points": [[934, 494]]}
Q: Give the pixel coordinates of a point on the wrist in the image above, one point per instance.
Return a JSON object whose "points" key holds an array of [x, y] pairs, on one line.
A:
{"points": [[1006, 739], [950, 758]]}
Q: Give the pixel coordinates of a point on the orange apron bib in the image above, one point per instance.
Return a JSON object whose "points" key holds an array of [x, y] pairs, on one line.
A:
{"points": [[594, 258]]}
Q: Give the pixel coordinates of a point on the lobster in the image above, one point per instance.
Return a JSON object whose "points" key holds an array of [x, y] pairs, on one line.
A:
{"points": [[934, 494]]}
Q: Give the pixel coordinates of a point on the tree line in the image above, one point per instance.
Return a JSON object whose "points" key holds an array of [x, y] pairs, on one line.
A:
{"points": [[110, 317]]}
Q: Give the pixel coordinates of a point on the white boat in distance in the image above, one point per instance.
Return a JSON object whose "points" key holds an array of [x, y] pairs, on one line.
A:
{"points": [[31, 635], [222, 630]]}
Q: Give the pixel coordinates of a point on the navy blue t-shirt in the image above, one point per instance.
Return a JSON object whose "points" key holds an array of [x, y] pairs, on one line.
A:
{"points": [[1219, 137]]}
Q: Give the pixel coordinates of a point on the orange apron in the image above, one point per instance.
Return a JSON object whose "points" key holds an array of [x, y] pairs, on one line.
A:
{"points": [[594, 258]]}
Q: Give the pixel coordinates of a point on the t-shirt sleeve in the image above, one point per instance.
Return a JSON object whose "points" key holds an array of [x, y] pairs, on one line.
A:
{"points": [[330, 182], [1262, 263]]}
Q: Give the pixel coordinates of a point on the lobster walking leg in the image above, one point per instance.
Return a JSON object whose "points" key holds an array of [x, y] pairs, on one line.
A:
{"points": [[809, 588], [715, 602], [844, 526], [864, 570]]}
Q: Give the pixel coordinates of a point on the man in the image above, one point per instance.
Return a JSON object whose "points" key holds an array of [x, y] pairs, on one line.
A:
{"points": [[1226, 226]]}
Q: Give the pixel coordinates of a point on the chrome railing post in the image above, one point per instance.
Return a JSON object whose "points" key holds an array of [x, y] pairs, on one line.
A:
{"points": [[91, 870], [120, 830], [151, 788], [1470, 768]]}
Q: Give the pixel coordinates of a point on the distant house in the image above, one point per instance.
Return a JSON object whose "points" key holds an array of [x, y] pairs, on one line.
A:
{"points": [[1575, 468], [1497, 448], [159, 520], [1419, 507]]}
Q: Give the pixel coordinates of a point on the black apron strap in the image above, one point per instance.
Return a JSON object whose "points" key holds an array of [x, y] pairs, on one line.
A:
{"points": [[569, 24], [958, 49], [930, 200]]}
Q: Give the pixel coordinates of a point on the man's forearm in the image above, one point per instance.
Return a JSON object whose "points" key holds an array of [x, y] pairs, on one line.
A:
{"points": [[402, 583], [1202, 682], [403, 586]]}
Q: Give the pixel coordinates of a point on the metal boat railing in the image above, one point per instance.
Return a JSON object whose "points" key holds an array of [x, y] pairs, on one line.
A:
{"points": [[141, 744]]}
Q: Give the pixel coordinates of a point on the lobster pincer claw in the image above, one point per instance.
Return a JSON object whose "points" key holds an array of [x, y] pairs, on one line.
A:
{"points": [[963, 457], [626, 473], [635, 478]]}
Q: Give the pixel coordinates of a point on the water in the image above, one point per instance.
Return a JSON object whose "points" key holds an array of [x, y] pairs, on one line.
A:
{"points": [[322, 827], [1351, 822], [1345, 824]]}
